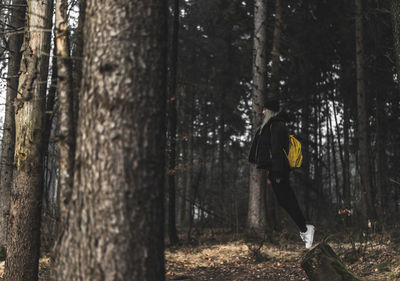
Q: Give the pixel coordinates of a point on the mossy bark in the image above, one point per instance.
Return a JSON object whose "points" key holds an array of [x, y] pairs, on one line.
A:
{"points": [[322, 264], [23, 238], [8, 142]]}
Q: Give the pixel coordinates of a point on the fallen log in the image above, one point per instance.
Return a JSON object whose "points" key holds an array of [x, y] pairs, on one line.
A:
{"points": [[322, 264]]}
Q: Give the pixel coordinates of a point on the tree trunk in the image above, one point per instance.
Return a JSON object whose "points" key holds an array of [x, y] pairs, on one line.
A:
{"points": [[337, 185], [395, 9], [226, 86], [189, 179], [329, 146], [276, 50], [256, 215], [345, 76], [115, 221], [23, 239], [221, 207], [172, 120], [346, 160], [65, 97], [368, 211], [380, 153], [322, 264], [8, 143], [305, 135], [77, 62], [317, 155]]}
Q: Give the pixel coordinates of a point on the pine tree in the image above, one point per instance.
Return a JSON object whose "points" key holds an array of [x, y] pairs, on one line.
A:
{"points": [[8, 142], [115, 217], [23, 239], [256, 214]]}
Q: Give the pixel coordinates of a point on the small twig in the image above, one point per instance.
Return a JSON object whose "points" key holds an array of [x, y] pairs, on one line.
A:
{"points": [[392, 180]]}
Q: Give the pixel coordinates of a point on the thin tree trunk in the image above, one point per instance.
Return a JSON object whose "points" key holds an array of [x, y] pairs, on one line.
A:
{"points": [[23, 240], [276, 50], [256, 215], [189, 190], [380, 152], [65, 96], [47, 159], [305, 132], [115, 221], [328, 147], [77, 53], [395, 10], [332, 139], [339, 138], [317, 154], [221, 151], [8, 143], [344, 77], [368, 207], [172, 118], [346, 162]]}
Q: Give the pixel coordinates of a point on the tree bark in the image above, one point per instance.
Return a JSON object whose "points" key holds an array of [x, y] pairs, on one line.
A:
{"points": [[345, 76], [346, 160], [368, 211], [8, 142], [380, 153], [305, 134], [23, 239], [189, 179], [257, 185], [66, 142], [172, 120], [337, 184], [276, 50], [395, 10], [77, 61], [116, 214]]}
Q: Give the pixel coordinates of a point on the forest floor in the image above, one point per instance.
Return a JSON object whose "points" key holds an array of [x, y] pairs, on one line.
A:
{"points": [[222, 259], [222, 256]]}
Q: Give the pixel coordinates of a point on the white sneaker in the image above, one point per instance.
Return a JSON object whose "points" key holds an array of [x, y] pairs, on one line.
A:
{"points": [[308, 236]]}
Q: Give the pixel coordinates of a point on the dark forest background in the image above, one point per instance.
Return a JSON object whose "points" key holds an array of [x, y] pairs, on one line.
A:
{"points": [[316, 82]]}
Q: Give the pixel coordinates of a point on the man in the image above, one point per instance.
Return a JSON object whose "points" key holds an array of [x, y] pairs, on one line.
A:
{"points": [[268, 151]]}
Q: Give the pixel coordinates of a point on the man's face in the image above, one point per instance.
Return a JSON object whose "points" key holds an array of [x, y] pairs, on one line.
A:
{"points": [[264, 111]]}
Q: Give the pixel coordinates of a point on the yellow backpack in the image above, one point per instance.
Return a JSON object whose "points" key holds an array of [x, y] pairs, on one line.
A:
{"points": [[294, 156]]}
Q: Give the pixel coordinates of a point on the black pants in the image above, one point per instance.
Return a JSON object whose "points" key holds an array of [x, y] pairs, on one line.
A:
{"points": [[287, 199]]}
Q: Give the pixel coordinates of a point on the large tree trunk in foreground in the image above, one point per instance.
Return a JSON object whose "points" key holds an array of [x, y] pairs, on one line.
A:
{"points": [[8, 142], [23, 239], [116, 216], [256, 217], [322, 264]]}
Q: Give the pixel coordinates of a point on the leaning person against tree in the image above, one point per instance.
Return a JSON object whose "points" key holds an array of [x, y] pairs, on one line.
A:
{"points": [[268, 148]]}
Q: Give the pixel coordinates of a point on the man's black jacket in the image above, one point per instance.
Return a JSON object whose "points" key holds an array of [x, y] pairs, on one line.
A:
{"points": [[268, 144]]}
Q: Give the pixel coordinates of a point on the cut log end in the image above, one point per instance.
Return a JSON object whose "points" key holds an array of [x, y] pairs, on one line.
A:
{"points": [[322, 264]]}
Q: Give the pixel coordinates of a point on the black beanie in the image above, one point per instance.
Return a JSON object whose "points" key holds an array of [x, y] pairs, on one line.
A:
{"points": [[272, 104]]}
